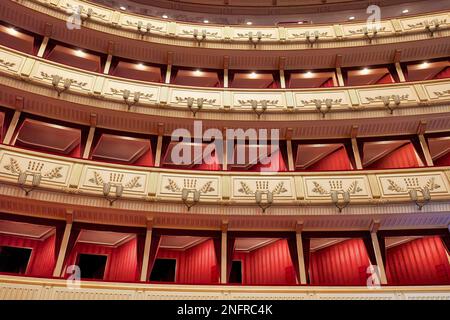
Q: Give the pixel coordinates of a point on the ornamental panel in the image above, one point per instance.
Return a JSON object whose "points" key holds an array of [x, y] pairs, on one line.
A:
{"points": [[10, 61], [244, 34], [74, 7], [197, 32], [381, 28], [244, 99], [53, 172], [115, 89], [406, 94], [308, 99], [246, 187], [79, 80], [172, 185], [321, 187], [210, 98], [419, 23], [437, 91], [133, 182], [143, 24], [323, 32], [400, 184]]}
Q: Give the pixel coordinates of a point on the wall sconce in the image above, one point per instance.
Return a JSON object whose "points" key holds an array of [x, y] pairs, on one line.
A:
{"points": [[259, 111], [426, 197], [387, 102], [432, 26], [126, 98], [35, 182], [195, 107], [323, 106], [185, 197], [55, 83], [142, 30], [107, 191], [311, 39], [199, 37], [266, 203], [87, 15], [256, 40], [345, 199], [370, 34]]}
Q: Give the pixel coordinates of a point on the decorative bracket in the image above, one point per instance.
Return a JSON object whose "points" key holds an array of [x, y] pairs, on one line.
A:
{"points": [[107, 186], [185, 193], [266, 203], [345, 199], [22, 180]]}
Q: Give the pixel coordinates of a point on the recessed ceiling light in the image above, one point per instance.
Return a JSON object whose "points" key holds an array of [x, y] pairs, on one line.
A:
{"points": [[300, 22], [249, 23], [309, 74], [365, 71], [165, 16], [197, 72], [12, 30], [205, 21], [351, 18], [79, 52], [425, 64], [140, 65], [123, 8], [253, 75], [405, 11]]}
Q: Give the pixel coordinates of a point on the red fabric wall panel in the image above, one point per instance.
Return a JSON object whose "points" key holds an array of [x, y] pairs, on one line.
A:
{"points": [[443, 161], [342, 264], [403, 157], [273, 166], [42, 260], [124, 262], [269, 265], [443, 74], [419, 262], [337, 160], [386, 79], [327, 84], [196, 265]]}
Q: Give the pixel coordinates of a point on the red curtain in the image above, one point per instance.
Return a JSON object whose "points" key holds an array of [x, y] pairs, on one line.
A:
{"points": [[196, 265], [269, 265], [328, 84], [231, 243], [42, 260], [422, 261], [273, 166], [443, 74], [443, 161], [386, 79], [343, 264], [337, 160], [403, 157], [214, 166]]}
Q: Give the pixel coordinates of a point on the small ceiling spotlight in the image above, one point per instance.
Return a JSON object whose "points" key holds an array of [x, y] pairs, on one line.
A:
{"points": [[309, 74], [123, 8], [197, 72], [249, 23], [405, 11], [365, 71], [205, 21], [140, 65], [253, 75], [352, 18], [165, 16], [425, 64]]}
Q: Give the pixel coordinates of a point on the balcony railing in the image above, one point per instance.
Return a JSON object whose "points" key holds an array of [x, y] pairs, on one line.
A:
{"points": [[24, 288], [30, 170], [133, 94], [152, 28]]}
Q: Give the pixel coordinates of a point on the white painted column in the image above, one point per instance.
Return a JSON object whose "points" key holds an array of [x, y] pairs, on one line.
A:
{"points": [[90, 139], [223, 253], [356, 154], [147, 246], [158, 151], [301, 258], [400, 73], [12, 127], [43, 47], [340, 77], [376, 247], [57, 272], [107, 64]]}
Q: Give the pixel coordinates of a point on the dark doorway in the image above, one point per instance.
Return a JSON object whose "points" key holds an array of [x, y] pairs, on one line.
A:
{"points": [[236, 272], [14, 260], [92, 266], [164, 270]]}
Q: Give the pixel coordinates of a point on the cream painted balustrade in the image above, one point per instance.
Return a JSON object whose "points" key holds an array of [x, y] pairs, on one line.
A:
{"points": [[154, 184], [310, 34], [138, 93], [25, 288]]}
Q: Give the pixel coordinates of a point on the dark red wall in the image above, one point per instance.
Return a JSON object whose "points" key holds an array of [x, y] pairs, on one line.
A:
{"points": [[196, 265], [42, 260], [419, 262], [343, 264], [269, 265]]}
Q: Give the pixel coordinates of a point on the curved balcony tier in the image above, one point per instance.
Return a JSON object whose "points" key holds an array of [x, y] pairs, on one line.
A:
{"points": [[114, 32], [31, 79]]}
